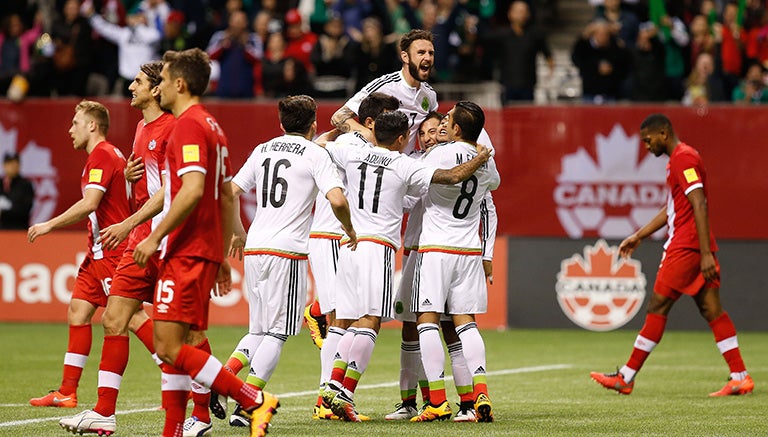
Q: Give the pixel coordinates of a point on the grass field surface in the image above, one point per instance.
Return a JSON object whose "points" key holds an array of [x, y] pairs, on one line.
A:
{"points": [[538, 380]]}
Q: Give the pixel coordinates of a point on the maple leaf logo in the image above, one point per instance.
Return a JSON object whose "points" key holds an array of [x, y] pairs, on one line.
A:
{"points": [[611, 195], [600, 291]]}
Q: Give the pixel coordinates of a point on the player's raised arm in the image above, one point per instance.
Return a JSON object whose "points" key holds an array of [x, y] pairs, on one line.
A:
{"points": [[463, 171], [344, 120]]}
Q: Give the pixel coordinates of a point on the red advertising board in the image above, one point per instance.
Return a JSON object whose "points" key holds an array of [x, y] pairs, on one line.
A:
{"points": [[37, 281], [567, 171]]}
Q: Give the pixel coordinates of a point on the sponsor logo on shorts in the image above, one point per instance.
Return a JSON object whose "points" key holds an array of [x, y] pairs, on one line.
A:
{"points": [[600, 291], [161, 308]]}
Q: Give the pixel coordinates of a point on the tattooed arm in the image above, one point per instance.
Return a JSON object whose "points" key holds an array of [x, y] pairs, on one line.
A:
{"points": [[344, 120]]}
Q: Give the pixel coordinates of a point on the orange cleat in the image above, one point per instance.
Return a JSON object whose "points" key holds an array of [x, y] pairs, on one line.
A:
{"points": [[736, 387], [432, 413], [55, 399], [262, 415], [613, 381], [318, 326]]}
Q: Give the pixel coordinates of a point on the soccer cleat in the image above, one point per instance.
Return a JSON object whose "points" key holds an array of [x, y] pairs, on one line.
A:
{"points": [[403, 411], [329, 392], [466, 412], [89, 421], [736, 387], [239, 417], [194, 427], [344, 407], [483, 408], [318, 326], [613, 381], [261, 415], [432, 413], [218, 405], [323, 412], [55, 399]]}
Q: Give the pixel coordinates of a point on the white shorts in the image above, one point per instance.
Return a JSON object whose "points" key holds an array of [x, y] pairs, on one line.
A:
{"points": [[364, 282], [277, 291], [323, 260], [450, 283]]}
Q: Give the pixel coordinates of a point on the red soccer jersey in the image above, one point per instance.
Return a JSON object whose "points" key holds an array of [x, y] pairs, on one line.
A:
{"points": [[685, 173], [104, 171], [149, 143], [197, 144]]}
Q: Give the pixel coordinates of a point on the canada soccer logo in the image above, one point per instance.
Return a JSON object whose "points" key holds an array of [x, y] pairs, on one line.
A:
{"points": [[600, 291], [613, 195]]}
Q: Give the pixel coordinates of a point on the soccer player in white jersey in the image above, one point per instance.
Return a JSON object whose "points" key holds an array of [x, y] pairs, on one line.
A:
{"points": [[449, 273], [378, 179], [432, 132], [287, 173], [324, 237], [408, 85]]}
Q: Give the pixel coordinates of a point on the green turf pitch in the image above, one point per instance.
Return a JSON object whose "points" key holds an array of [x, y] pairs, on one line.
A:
{"points": [[539, 383]]}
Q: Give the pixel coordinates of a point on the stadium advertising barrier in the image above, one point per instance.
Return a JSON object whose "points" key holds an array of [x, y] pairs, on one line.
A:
{"points": [[37, 281]]}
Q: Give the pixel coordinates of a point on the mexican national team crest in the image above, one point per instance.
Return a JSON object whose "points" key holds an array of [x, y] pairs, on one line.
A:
{"points": [[152, 144], [425, 104], [612, 195], [600, 291]]}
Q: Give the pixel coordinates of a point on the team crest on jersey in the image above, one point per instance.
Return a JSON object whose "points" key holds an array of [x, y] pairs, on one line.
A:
{"points": [[612, 195], [600, 291], [152, 144], [425, 104]]}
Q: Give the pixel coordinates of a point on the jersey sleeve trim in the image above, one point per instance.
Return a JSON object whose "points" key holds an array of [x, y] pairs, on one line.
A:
{"points": [[95, 187], [191, 168], [693, 187]]}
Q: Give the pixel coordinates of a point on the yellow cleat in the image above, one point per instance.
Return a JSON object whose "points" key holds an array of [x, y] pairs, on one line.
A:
{"points": [[262, 414], [322, 412], [432, 413], [318, 327], [483, 408]]}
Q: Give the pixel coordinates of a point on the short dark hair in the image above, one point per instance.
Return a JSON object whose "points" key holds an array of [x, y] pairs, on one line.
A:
{"points": [[470, 118], [374, 104], [414, 35], [152, 71], [389, 126], [98, 112], [297, 113], [192, 65], [10, 156], [655, 122], [433, 114]]}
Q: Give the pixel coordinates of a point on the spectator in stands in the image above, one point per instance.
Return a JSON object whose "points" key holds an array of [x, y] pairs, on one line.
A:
{"points": [[603, 64], [16, 195], [757, 40], [398, 16], [236, 49], [105, 51], [174, 33], [704, 83], [352, 12], [157, 12], [298, 42], [624, 23], [703, 37], [372, 56], [674, 36], [732, 47], [137, 43], [752, 90], [264, 24], [648, 56], [15, 48], [281, 75], [331, 57], [73, 47], [441, 17], [516, 47], [469, 51]]}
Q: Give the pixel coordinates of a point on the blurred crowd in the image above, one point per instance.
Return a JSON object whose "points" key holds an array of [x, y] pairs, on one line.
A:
{"points": [[695, 51]]}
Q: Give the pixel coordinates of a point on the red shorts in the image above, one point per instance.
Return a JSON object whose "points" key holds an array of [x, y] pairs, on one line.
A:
{"points": [[132, 281], [184, 290], [94, 279], [680, 273]]}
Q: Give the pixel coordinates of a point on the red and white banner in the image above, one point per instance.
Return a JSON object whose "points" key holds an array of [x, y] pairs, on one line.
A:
{"points": [[567, 171]]}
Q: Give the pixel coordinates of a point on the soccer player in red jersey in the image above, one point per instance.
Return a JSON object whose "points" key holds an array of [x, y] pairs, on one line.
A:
{"points": [[131, 284], [104, 202], [688, 265], [198, 223]]}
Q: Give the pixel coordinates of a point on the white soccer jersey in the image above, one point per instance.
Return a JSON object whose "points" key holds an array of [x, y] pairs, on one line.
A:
{"points": [[416, 103], [287, 173], [377, 182], [452, 212], [324, 222]]}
